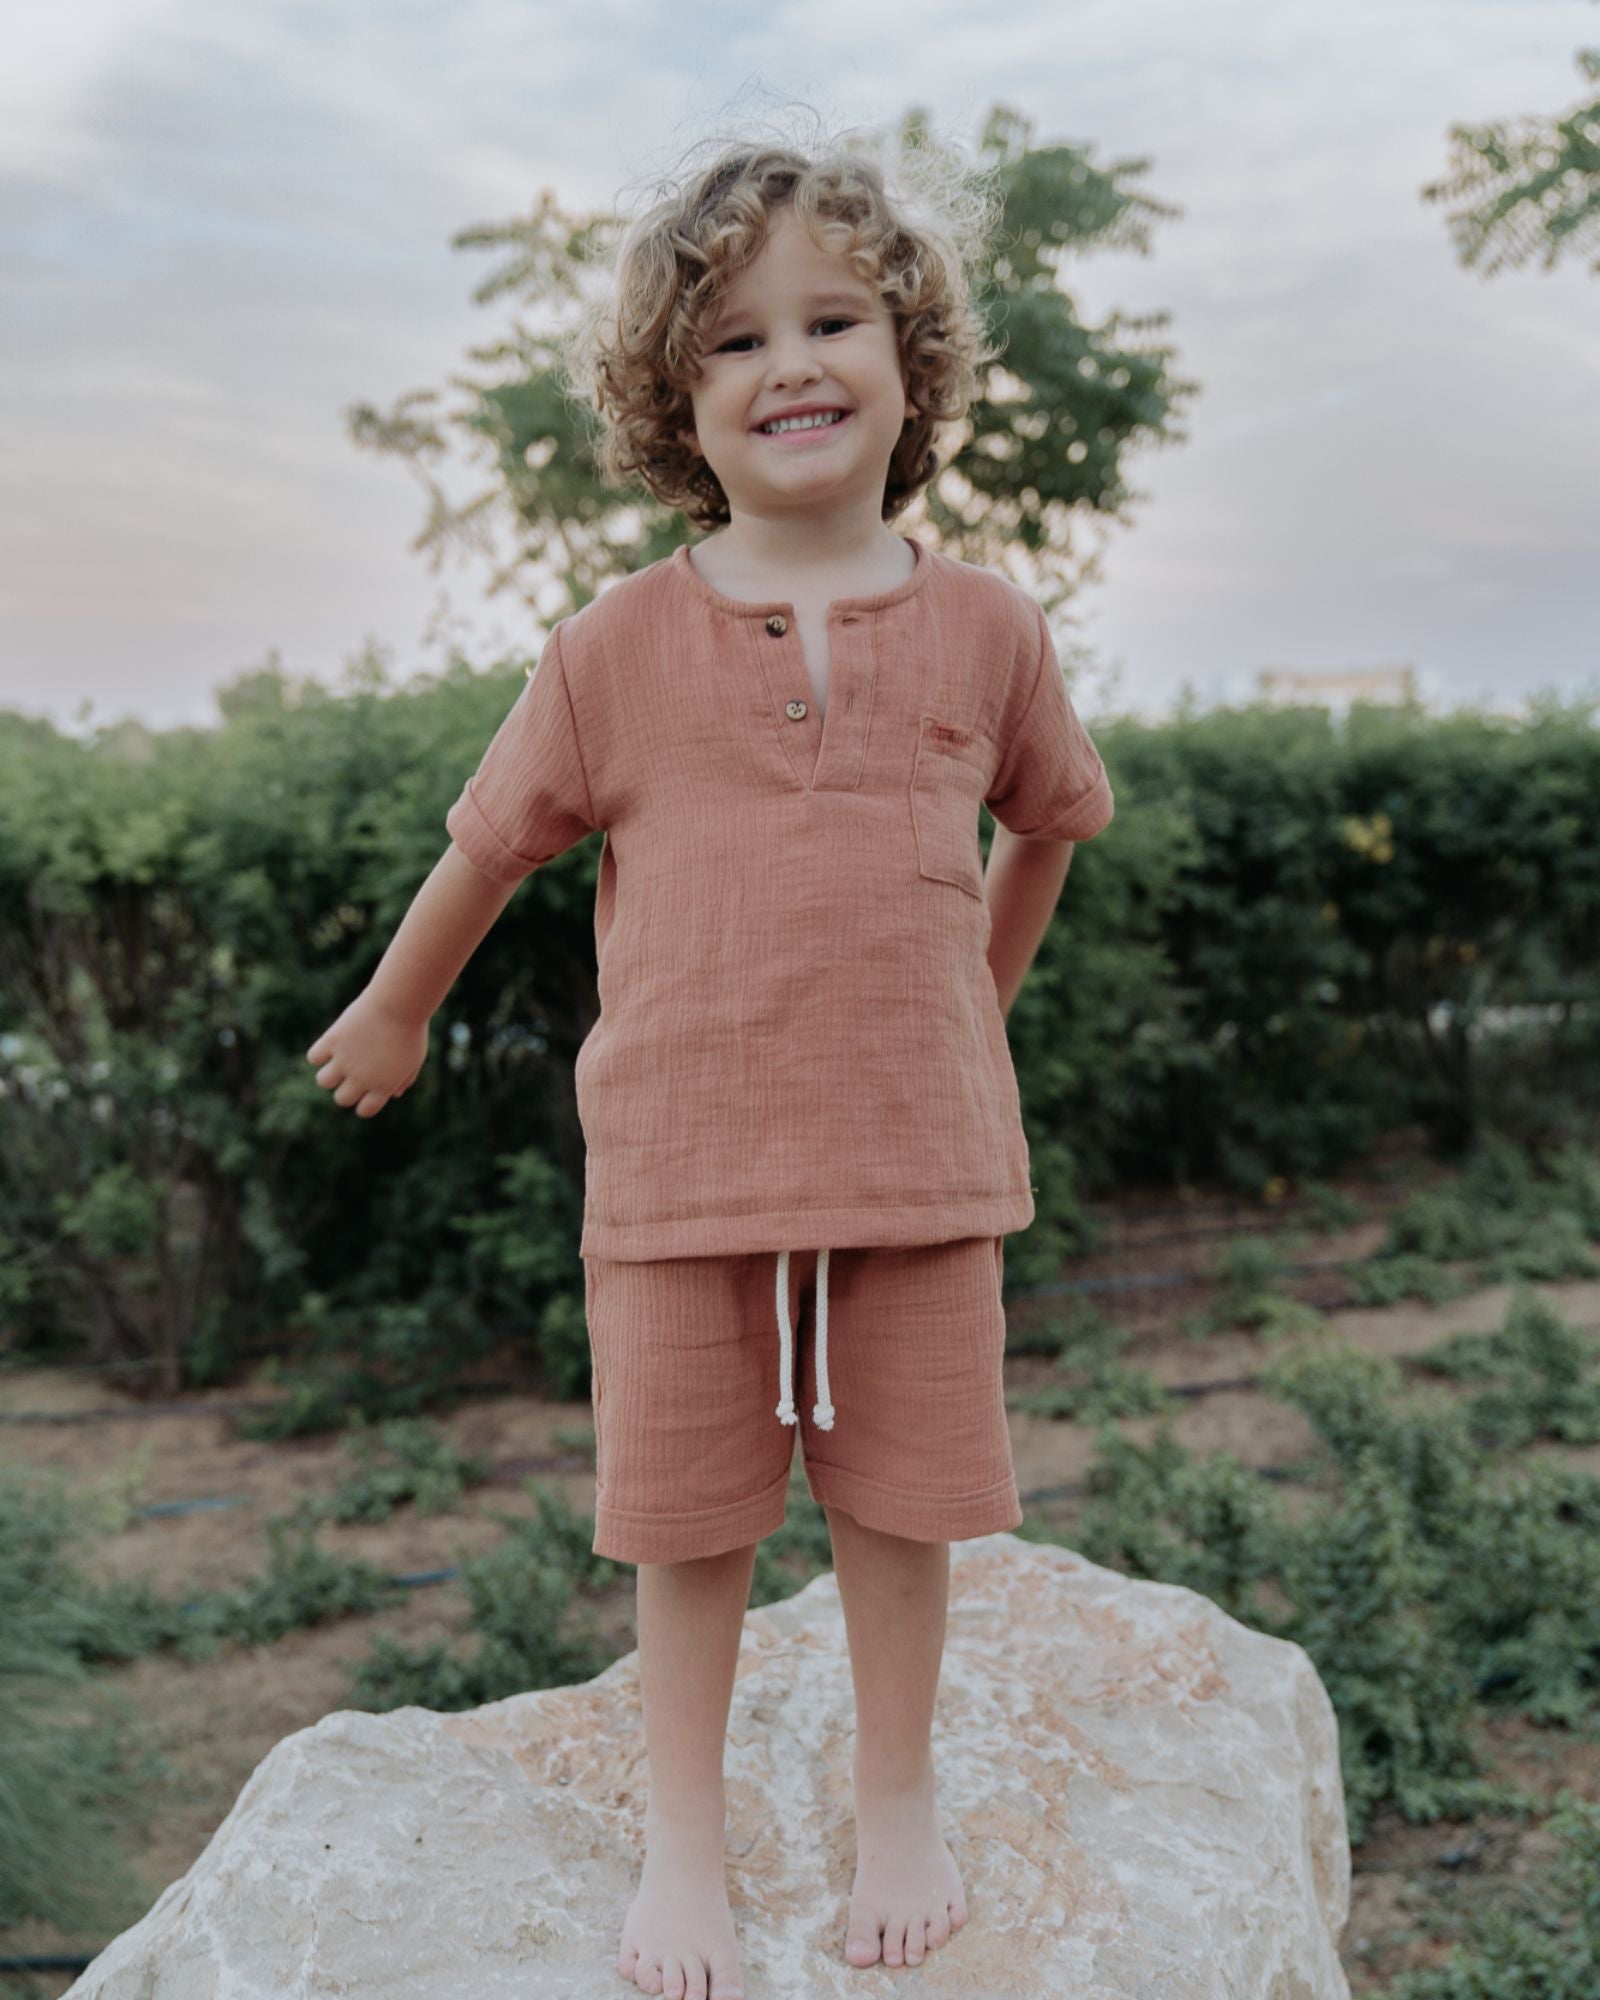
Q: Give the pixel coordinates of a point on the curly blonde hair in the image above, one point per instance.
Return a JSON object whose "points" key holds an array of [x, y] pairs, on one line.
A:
{"points": [[634, 351]]}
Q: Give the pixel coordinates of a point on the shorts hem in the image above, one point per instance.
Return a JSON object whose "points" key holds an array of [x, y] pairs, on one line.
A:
{"points": [[920, 1517], [851, 1226], [629, 1537]]}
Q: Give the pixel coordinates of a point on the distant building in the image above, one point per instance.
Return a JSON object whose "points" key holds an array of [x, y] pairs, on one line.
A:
{"points": [[1337, 688]]}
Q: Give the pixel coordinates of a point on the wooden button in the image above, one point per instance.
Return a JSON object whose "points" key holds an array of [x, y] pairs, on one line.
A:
{"points": [[777, 624], [796, 711]]}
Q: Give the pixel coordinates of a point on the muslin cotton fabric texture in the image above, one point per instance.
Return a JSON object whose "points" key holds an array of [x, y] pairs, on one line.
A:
{"points": [[799, 1039], [690, 1460]]}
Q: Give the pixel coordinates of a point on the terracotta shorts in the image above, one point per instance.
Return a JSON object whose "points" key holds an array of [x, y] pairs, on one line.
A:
{"points": [[706, 1368]]}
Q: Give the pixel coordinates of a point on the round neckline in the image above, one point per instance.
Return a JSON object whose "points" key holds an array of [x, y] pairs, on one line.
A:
{"points": [[746, 607]]}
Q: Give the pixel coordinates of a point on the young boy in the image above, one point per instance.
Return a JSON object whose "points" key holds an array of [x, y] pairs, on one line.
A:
{"points": [[785, 734]]}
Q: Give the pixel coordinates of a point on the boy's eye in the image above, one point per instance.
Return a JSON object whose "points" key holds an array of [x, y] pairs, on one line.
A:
{"points": [[831, 320]]}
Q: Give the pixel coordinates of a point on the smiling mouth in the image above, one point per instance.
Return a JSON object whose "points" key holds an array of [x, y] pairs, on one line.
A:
{"points": [[806, 431]]}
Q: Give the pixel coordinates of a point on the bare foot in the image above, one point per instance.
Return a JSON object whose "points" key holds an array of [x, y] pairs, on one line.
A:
{"points": [[678, 1938], [907, 1891]]}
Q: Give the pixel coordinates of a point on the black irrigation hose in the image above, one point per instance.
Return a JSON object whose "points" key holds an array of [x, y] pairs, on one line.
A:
{"points": [[1062, 1287], [171, 1507], [213, 1502], [414, 1581], [133, 1364], [222, 1409], [1058, 1288], [139, 1410], [1409, 1364], [247, 1405]]}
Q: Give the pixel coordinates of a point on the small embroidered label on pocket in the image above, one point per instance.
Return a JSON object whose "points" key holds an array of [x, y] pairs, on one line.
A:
{"points": [[942, 732]]}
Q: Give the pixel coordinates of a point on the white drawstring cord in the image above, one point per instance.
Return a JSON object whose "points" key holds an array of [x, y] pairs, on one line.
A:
{"points": [[822, 1415], [786, 1413]]}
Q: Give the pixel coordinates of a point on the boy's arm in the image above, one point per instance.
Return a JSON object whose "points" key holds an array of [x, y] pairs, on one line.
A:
{"points": [[376, 1047], [1022, 885], [449, 918]]}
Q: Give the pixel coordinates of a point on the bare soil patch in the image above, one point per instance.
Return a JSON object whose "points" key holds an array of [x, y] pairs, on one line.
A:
{"points": [[216, 1720]]}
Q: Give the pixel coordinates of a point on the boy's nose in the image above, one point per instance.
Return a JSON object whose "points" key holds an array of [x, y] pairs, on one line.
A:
{"points": [[792, 364]]}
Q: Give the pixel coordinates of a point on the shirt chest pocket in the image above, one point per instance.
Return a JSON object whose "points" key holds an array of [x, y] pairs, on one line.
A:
{"points": [[948, 781]]}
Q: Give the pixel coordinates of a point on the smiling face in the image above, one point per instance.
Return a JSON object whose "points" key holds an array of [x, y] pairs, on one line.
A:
{"points": [[799, 329]]}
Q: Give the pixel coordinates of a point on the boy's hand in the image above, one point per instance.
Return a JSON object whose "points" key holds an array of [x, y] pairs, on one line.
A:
{"points": [[369, 1055]]}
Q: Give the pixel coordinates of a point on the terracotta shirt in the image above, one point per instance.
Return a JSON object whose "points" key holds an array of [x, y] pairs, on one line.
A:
{"points": [[799, 1040]]}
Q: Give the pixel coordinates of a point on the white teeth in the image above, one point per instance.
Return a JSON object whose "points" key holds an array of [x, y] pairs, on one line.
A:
{"points": [[816, 422]]}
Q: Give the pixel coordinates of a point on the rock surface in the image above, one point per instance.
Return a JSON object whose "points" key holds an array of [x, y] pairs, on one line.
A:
{"points": [[1143, 1796]]}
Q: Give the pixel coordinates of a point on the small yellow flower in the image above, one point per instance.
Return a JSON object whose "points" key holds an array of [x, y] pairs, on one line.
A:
{"points": [[1373, 838], [1275, 1189]]}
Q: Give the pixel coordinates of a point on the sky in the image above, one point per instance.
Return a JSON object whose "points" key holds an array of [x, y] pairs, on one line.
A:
{"points": [[222, 227]]}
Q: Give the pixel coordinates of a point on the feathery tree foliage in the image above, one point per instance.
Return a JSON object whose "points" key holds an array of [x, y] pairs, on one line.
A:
{"points": [[1060, 407], [1530, 185]]}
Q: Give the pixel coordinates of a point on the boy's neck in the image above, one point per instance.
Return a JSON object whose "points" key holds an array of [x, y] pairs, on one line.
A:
{"points": [[752, 551]]}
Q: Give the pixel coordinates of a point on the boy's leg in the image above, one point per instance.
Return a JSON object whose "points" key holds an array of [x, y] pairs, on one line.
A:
{"points": [[678, 1938], [896, 1595], [920, 1446], [907, 1893], [691, 1471], [690, 1618]]}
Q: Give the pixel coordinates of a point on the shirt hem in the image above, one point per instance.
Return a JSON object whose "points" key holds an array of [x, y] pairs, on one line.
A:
{"points": [[847, 1228]]}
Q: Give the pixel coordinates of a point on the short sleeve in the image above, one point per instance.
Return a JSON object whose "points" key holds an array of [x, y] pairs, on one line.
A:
{"points": [[1051, 784], [528, 800]]}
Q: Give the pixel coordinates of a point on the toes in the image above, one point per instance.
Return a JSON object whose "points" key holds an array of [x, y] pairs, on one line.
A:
{"points": [[894, 1942], [672, 1979], [914, 1944], [938, 1928], [695, 1979], [648, 1978], [861, 1946], [726, 1983]]}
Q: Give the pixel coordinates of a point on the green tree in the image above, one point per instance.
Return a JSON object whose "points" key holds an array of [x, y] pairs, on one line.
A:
{"points": [[1528, 184], [1060, 406]]}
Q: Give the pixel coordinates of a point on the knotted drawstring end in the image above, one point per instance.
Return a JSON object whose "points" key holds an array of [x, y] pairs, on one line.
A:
{"points": [[822, 1414]]}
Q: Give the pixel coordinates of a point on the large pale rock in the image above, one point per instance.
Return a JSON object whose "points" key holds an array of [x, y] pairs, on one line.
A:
{"points": [[1142, 1794]]}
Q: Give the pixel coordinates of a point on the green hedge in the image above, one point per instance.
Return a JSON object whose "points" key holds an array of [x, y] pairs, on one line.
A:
{"points": [[1297, 936]]}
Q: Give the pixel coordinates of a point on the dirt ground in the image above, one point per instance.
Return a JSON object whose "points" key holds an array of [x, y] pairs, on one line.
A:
{"points": [[214, 1721]]}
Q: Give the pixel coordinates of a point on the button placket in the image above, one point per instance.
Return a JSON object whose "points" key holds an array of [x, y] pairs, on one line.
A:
{"points": [[828, 740], [796, 708]]}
